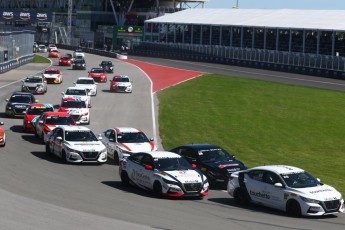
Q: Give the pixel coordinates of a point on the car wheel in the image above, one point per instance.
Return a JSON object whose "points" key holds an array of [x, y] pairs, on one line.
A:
{"points": [[48, 150], [124, 178], [293, 208], [157, 189], [116, 158], [240, 196], [63, 157]]}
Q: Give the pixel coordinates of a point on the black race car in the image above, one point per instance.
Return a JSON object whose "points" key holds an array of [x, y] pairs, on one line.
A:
{"points": [[107, 66], [215, 162], [18, 103], [79, 64]]}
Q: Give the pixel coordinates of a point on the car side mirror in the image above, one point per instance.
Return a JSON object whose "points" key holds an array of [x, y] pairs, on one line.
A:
{"points": [[37, 100], [148, 167], [6, 99], [40, 122], [96, 83], [194, 166], [278, 185], [318, 179], [151, 139], [45, 81], [74, 83], [63, 93], [77, 122], [89, 106], [59, 138], [100, 137], [111, 140], [1, 122]]}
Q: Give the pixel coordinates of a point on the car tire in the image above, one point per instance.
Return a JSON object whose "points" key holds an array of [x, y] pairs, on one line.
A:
{"points": [[157, 189], [116, 158], [240, 196], [293, 208], [48, 150], [124, 178], [63, 157]]}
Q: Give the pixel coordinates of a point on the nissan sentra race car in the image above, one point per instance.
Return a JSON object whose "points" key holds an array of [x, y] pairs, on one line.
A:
{"points": [[34, 84], [164, 173], [79, 94], [286, 188], [53, 75], [121, 83], [77, 109], [33, 111]]}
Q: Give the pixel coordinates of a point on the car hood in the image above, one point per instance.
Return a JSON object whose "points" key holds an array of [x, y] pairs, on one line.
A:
{"points": [[96, 74], [29, 117], [122, 84], [75, 111], [323, 193], [85, 146], [85, 86], [31, 84], [51, 75], [138, 147], [228, 166], [184, 176], [76, 97]]}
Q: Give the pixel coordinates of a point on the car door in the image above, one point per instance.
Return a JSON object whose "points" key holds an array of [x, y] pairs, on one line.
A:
{"points": [[147, 174], [276, 194], [111, 143], [105, 138], [134, 168], [39, 124], [256, 187], [58, 141]]}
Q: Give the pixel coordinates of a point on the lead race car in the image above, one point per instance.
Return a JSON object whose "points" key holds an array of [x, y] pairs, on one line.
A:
{"points": [[164, 173], [286, 188]]}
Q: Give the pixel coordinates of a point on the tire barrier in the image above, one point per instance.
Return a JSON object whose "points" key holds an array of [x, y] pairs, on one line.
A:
{"points": [[12, 64]]}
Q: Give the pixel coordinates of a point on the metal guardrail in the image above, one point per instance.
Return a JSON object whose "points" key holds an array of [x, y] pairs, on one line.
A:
{"points": [[9, 65]]}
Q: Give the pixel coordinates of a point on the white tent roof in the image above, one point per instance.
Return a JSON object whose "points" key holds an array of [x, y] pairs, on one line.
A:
{"points": [[281, 18]]}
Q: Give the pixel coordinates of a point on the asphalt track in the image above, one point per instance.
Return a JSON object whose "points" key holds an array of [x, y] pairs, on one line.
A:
{"points": [[38, 192]]}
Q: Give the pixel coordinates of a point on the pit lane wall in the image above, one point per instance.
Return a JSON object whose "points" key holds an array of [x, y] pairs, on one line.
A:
{"points": [[302, 63], [16, 49]]}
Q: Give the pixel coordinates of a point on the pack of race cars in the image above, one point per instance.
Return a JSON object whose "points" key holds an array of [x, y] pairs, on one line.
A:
{"points": [[184, 171]]}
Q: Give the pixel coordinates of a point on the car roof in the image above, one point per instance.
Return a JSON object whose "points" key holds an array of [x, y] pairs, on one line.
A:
{"points": [[200, 146], [35, 76], [279, 169], [121, 76], [76, 87], [97, 68], [85, 78], [75, 128], [52, 69], [127, 130], [162, 154]]}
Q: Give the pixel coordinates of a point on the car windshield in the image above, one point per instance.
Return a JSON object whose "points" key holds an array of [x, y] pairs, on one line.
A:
{"points": [[76, 92], [97, 71], [85, 81], [42, 47], [106, 63], [121, 79], [73, 104], [300, 180], [51, 72], [33, 80], [20, 98], [171, 164], [79, 60], [138, 137], [59, 120], [214, 155], [80, 136], [38, 110]]}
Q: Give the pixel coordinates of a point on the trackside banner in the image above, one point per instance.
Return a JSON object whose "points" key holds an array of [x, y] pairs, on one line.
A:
{"points": [[28, 16]]}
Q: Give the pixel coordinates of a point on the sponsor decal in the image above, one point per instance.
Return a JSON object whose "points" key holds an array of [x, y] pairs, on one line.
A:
{"points": [[227, 165], [140, 177], [8, 15], [24, 16], [286, 195], [321, 190], [260, 195], [42, 16]]}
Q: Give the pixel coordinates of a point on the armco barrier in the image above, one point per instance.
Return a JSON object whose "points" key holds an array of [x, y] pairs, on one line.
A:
{"points": [[12, 64]]}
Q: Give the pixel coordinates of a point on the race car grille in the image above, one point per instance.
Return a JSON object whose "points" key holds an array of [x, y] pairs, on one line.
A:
{"points": [[192, 187], [76, 117], [90, 155], [122, 88], [97, 79], [332, 205], [16, 110], [50, 80]]}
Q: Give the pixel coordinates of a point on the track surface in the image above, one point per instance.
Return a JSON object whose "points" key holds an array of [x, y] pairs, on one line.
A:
{"points": [[38, 192]]}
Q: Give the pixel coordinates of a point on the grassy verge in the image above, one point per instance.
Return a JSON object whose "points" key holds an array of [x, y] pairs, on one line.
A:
{"points": [[260, 122], [40, 59]]}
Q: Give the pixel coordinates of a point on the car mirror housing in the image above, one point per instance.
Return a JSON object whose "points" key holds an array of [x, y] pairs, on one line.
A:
{"points": [[59, 138], [148, 167], [194, 166], [37, 100], [111, 140], [278, 185]]}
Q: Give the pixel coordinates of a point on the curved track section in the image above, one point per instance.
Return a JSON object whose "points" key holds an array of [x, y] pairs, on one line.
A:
{"points": [[38, 192]]}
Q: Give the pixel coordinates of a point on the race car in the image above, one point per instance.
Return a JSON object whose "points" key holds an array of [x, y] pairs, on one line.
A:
{"points": [[42, 49], [78, 53], [286, 188], [52, 47], [34, 84], [123, 141], [215, 162], [121, 83], [107, 66], [79, 64], [33, 111], [65, 61], [2, 136], [77, 109], [88, 83], [53, 75], [164, 173], [79, 94], [54, 53], [47, 121], [18, 103], [76, 145], [98, 74]]}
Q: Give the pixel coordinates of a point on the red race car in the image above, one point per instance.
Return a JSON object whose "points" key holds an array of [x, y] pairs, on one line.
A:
{"points": [[65, 61], [33, 111], [98, 74], [2, 136], [54, 54]]}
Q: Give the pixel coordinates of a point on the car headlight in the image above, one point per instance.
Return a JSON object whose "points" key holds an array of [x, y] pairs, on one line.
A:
{"points": [[9, 107], [308, 200], [205, 181], [170, 182]]}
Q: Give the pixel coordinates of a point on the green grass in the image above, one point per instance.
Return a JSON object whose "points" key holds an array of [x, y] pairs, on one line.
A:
{"points": [[40, 59], [260, 122]]}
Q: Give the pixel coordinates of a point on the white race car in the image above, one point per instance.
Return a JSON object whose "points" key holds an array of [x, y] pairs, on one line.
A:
{"points": [[75, 144], [87, 83], [164, 173], [121, 83], [34, 84], [79, 94], [77, 109], [286, 188], [124, 141]]}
